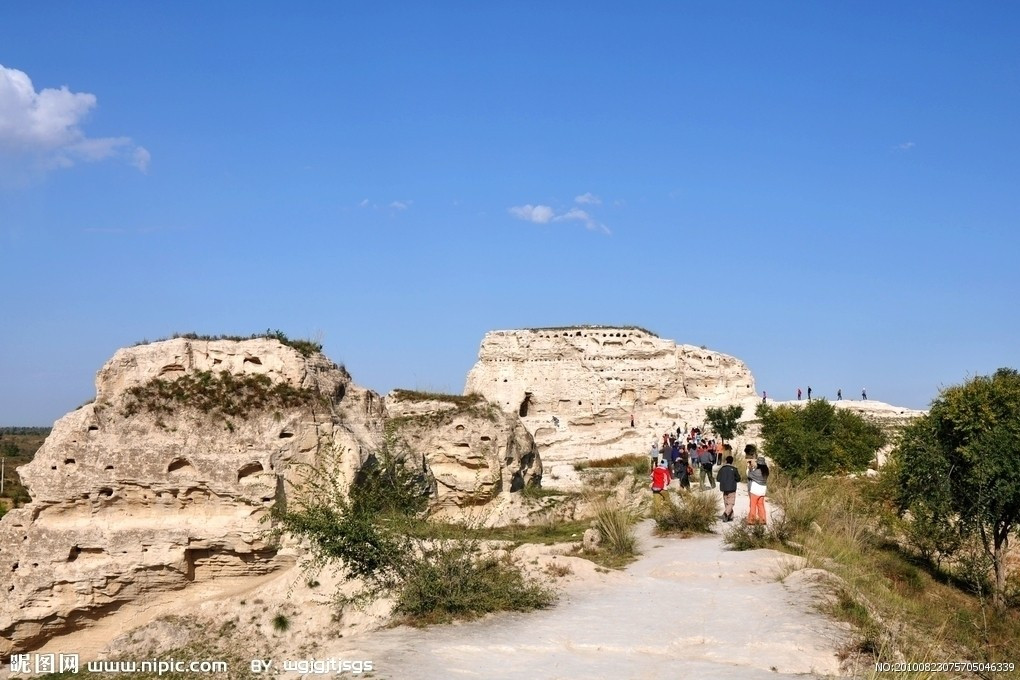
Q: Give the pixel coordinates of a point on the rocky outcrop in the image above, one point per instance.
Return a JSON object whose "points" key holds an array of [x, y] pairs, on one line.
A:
{"points": [[577, 389], [148, 490], [471, 449]]}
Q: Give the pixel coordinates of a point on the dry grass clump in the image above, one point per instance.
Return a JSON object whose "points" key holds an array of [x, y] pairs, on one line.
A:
{"points": [[638, 463], [220, 394], [690, 513], [616, 526]]}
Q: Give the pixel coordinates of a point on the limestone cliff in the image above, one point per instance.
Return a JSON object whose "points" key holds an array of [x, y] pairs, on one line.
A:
{"points": [[164, 480], [576, 388]]}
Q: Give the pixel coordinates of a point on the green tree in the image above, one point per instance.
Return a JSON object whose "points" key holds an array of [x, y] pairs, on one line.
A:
{"points": [[725, 422], [818, 438], [958, 464]]}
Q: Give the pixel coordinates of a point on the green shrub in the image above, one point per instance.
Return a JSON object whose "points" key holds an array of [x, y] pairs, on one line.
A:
{"points": [[360, 529], [818, 438], [641, 466], [375, 533], [388, 485], [690, 513], [456, 580], [281, 624], [744, 536]]}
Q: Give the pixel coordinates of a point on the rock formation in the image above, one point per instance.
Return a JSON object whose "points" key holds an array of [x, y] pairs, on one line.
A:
{"points": [[472, 449], [141, 491], [577, 388], [165, 480]]}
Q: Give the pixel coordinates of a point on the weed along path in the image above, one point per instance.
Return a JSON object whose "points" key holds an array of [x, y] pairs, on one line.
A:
{"points": [[687, 608]]}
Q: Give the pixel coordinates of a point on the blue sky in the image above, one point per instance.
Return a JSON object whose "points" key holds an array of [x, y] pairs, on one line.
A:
{"points": [[828, 191]]}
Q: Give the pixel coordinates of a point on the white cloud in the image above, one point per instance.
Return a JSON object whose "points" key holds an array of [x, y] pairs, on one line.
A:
{"points": [[42, 130], [543, 214], [392, 205], [579, 215], [539, 214], [141, 158], [905, 146], [588, 198]]}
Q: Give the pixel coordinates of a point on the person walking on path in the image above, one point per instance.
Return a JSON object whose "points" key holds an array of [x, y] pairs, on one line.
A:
{"points": [[809, 392], [632, 420], [757, 476], [706, 456], [839, 394], [729, 477], [660, 483], [655, 455]]}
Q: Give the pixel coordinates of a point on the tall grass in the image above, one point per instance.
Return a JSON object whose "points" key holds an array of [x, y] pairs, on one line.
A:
{"points": [[616, 526], [639, 464], [890, 596], [690, 513]]}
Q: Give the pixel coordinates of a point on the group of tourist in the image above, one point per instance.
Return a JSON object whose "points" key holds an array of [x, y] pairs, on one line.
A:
{"points": [[839, 395], [677, 458]]}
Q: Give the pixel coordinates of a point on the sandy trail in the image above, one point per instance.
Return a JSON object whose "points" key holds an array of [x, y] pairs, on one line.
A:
{"points": [[687, 608]]}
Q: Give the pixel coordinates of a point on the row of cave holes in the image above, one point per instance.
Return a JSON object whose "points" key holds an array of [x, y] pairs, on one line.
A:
{"points": [[177, 464], [522, 410], [579, 334], [284, 434], [180, 465]]}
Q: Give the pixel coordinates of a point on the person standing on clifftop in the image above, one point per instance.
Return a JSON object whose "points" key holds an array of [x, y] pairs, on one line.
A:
{"points": [[798, 394], [839, 394], [764, 396], [809, 392], [864, 394]]}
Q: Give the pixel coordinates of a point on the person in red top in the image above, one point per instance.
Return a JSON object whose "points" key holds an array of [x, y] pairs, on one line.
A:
{"points": [[660, 481]]}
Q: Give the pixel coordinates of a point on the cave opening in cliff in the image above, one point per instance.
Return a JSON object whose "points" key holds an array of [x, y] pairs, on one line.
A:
{"points": [[523, 410]]}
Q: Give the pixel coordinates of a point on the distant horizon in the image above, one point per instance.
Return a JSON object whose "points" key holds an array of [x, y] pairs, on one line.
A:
{"points": [[848, 396]]}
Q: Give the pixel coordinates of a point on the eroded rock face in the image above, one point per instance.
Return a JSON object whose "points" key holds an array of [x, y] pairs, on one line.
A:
{"points": [[127, 504], [471, 448], [577, 388]]}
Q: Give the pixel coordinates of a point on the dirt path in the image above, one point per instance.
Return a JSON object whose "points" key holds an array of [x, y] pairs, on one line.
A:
{"points": [[687, 608]]}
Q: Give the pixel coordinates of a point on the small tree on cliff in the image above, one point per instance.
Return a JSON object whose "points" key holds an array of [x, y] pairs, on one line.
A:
{"points": [[725, 422], [960, 461]]}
